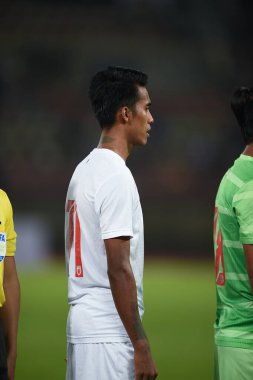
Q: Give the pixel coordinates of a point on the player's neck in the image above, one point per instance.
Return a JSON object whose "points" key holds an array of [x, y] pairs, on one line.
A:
{"points": [[115, 142], [248, 151]]}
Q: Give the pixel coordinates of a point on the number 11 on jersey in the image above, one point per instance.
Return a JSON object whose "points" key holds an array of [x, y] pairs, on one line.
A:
{"points": [[75, 236]]}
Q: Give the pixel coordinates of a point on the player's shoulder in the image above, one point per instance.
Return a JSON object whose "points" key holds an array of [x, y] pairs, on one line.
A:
{"points": [[244, 195], [116, 180], [3, 195], [5, 202], [247, 186], [123, 175]]}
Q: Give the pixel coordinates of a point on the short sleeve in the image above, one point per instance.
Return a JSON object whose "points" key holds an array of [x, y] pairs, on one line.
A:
{"points": [[114, 205], [243, 207], [9, 228]]}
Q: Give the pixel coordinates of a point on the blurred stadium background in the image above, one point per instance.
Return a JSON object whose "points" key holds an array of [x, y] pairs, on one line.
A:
{"points": [[196, 53]]}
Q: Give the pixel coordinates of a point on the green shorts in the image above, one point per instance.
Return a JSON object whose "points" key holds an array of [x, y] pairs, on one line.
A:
{"points": [[233, 363]]}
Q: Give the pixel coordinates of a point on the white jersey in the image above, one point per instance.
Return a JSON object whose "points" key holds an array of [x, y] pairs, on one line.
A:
{"points": [[102, 203]]}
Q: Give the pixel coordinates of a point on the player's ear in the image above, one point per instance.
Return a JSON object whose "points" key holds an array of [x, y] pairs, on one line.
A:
{"points": [[124, 114]]}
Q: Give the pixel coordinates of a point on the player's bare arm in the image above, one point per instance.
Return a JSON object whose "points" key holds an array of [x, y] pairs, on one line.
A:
{"points": [[125, 297], [10, 312], [248, 249]]}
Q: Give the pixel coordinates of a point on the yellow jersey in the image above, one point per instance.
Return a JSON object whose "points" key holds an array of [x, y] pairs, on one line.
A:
{"points": [[7, 237]]}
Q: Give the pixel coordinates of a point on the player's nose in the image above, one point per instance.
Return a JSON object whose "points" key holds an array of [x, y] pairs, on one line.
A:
{"points": [[151, 119]]}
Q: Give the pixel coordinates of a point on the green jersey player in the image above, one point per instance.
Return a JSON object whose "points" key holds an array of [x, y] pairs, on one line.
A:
{"points": [[233, 246]]}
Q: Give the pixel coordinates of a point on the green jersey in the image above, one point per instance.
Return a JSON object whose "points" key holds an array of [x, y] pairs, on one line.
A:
{"points": [[233, 227]]}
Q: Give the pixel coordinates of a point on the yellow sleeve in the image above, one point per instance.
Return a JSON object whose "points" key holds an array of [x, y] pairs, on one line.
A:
{"points": [[9, 225]]}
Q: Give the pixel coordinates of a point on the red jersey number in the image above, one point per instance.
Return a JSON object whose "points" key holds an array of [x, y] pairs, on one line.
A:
{"points": [[75, 236], [219, 258]]}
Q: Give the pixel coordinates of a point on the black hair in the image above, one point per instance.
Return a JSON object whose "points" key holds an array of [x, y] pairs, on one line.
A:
{"points": [[242, 106], [112, 89]]}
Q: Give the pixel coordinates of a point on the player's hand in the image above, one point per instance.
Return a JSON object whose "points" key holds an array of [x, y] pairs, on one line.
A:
{"points": [[145, 368], [11, 365]]}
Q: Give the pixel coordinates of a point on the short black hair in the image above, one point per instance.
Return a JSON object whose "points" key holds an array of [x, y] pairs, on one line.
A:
{"points": [[242, 106], [112, 89]]}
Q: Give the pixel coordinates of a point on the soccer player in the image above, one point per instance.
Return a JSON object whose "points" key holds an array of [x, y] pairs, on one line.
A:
{"points": [[104, 239], [233, 243], [9, 291]]}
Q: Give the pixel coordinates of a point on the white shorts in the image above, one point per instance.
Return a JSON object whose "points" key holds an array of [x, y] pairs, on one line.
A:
{"points": [[100, 361]]}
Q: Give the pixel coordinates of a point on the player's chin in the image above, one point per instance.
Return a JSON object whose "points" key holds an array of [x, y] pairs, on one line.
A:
{"points": [[143, 141]]}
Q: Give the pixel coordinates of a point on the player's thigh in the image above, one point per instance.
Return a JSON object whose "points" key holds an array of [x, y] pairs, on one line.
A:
{"points": [[233, 363], [125, 358], [100, 361]]}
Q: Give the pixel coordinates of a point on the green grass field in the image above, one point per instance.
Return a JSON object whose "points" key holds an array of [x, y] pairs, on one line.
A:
{"points": [[179, 299]]}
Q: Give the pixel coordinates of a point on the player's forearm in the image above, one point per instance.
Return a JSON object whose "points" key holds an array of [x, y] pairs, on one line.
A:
{"points": [[10, 314], [125, 298], [124, 293]]}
